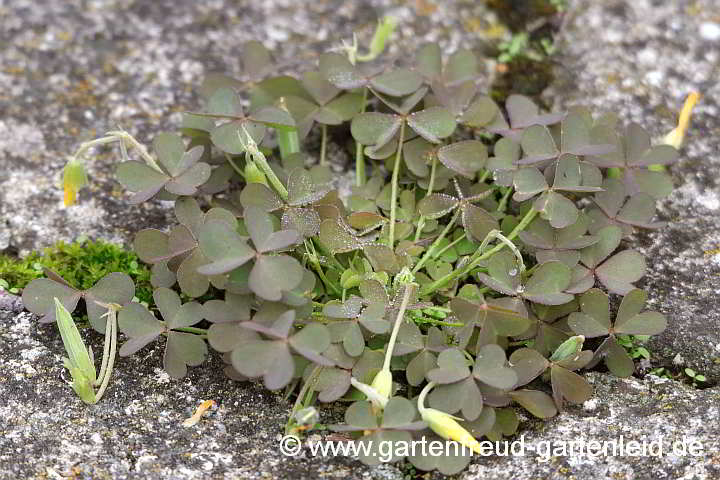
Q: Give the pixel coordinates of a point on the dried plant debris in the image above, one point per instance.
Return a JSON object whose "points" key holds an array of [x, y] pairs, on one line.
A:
{"points": [[469, 263]]}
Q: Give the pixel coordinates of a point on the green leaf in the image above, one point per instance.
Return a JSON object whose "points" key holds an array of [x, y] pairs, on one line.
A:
{"points": [[183, 349], [537, 403], [647, 323], [480, 113], [558, 209], [227, 137], [547, 283], [528, 364], [461, 66], [436, 205], [224, 247], [225, 102], [538, 144], [38, 297], [621, 270], [338, 70], [477, 222], [465, 158], [398, 82], [528, 182], [275, 117], [617, 360], [274, 274], [491, 370], [433, 124], [337, 238], [373, 128], [138, 177], [569, 385], [428, 60], [595, 319]]}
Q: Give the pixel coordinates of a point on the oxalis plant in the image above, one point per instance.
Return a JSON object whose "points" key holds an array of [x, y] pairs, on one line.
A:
{"points": [[466, 274]]}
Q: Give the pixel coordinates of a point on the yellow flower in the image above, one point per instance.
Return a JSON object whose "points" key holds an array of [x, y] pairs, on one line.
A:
{"points": [[677, 135], [74, 178], [444, 424]]}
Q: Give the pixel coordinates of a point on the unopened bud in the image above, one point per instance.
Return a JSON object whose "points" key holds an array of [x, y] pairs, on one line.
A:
{"points": [[74, 178]]}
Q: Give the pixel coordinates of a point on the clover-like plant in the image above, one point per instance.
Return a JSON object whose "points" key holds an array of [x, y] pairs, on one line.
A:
{"points": [[271, 274], [183, 347], [272, 358], [181, 172], [617, 273], [476, 221], [114, 288], [632, 156], [297, 212], [594, 321], [454, 267], [614, 207], [546, 285], [398, 420]]}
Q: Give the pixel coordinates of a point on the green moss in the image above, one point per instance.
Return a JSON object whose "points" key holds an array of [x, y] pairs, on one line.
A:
{"points": [[82, 263]]}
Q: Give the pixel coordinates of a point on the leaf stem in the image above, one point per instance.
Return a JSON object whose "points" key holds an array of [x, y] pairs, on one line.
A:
{"points": [[234, 165], [450, 245], [198, 331], [396, 328], [479, 256], [359, 157], [262, 162], [323, 145], [504, 200], [106, 349], [431, 186], [112, 316], [301, 394], [394, 186], [429, 251]]}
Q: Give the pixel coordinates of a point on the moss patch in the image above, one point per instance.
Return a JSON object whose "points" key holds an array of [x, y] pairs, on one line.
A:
{"points": [[82, 263]]}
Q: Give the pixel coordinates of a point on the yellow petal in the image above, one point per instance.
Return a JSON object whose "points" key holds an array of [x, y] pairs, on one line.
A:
{"points": [[70, 195], [677, 135], [204, 407]]}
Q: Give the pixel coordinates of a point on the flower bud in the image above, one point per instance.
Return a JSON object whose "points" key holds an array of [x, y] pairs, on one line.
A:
{"points": [[253, 174], [79, 361], [74, 178], [444, 424], [383, 383]]}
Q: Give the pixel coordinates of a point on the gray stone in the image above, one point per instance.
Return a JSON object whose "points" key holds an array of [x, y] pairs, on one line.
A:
{"points": [[70, 73], [640, 59]]}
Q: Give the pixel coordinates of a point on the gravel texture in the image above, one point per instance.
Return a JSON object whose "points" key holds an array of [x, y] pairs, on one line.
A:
{"points": [[72, 70]]}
